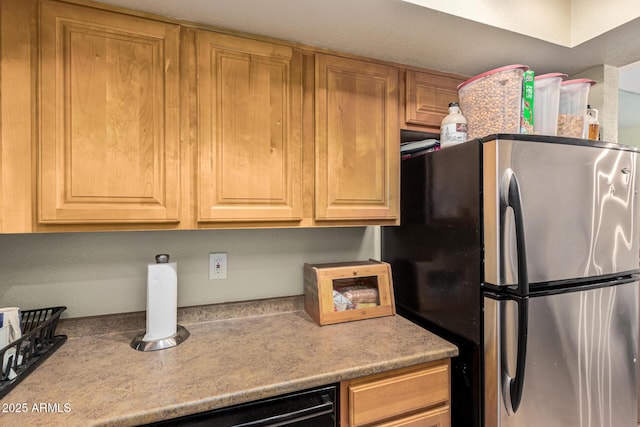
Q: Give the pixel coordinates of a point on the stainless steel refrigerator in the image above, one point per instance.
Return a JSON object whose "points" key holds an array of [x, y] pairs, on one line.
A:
{"points": [[524, 251]]}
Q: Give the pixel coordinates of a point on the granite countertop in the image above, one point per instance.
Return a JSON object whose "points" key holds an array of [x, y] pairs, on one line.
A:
{"points": [[236, 353]]}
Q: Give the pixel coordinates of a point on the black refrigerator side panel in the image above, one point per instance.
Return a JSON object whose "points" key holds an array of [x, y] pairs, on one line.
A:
{"points": [[435, 253], [436, 261]]}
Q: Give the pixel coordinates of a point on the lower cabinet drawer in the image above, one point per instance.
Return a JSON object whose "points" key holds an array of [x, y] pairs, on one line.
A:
{"points": [[437, 418], [419, 390]]}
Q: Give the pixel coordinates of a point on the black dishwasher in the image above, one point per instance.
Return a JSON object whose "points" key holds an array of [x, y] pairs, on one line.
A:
{"points": [[309, 408]]}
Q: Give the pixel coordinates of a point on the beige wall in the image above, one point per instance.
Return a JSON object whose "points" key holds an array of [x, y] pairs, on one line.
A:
{"points": [[630, 136], [103, 273], [629, 124], [603, 96]]}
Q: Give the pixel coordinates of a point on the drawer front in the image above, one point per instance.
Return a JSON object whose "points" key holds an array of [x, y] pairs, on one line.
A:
{"points": [[398, 394], [437, 418]]}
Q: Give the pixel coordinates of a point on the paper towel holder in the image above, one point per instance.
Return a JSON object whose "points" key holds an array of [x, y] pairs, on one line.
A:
{"points": [[139, 343]]}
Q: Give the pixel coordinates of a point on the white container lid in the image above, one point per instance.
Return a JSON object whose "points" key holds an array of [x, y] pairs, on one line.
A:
{"points": [[549, 78], [549, 75], [576, 84]]}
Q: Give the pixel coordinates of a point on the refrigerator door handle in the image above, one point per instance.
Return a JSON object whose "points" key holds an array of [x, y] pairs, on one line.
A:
{"points": [[513, 387], [511, 197]]}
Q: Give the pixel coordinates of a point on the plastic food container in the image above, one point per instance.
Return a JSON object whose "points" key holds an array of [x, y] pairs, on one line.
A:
{"points": [[492, 101], [546, 95], [574, 95]]}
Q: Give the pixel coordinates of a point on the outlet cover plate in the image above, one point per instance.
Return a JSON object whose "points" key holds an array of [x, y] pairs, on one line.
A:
{"points": [[217, 265]]}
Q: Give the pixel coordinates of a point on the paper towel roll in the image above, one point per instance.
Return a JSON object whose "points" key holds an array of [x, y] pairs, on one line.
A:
{"points": [[162, 300]]}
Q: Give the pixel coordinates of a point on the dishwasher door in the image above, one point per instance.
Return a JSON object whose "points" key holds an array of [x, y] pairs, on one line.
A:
{"points": [[309, 408]]}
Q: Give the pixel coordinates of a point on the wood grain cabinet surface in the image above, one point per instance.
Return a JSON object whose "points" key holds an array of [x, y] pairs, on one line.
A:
{"points": [[426, 99], [124, 120], [17, 36], [357, 140], [249, 122], [108, 117], [414, 396]]}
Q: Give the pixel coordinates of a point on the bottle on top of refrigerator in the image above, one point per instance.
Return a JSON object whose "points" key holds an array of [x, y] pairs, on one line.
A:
{"points": [[592, 126], [453, 129]]}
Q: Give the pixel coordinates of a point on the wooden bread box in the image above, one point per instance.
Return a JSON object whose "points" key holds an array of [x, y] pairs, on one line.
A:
{"points": [[347, 291]]}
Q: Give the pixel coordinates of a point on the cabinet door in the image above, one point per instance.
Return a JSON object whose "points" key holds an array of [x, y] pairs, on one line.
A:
{"points": [[108, 117], [17, 175], [357, 140], [392, 395], [427, 98], [249, 141]]}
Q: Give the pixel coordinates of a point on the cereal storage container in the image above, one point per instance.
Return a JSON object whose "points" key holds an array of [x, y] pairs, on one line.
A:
{"points": [[492, 101], [546, 95], [574, 95]]}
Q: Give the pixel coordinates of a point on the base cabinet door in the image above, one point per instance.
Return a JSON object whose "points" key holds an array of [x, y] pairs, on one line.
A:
{"points": [[108, 117], [249, 130], [414, 396], [357, 140]]}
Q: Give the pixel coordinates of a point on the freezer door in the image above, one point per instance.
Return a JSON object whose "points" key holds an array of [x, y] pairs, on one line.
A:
{"points": [[580, 364], [579, 210]]}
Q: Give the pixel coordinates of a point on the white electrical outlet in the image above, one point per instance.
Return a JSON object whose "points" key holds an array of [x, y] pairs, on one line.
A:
{"points": [[218, 266]]}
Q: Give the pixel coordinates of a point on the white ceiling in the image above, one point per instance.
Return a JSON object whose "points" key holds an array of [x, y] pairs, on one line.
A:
{"points": [[405, 33], [398, 31]]}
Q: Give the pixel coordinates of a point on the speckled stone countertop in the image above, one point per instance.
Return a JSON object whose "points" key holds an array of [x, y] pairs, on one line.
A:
{"points": [[236, 353]]}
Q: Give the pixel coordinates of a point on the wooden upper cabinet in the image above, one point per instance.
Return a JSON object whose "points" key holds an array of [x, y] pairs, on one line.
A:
{"points": [[17, 177], [249, 130], [357, 140], [142, 123], [108, 117], [426, 99]]}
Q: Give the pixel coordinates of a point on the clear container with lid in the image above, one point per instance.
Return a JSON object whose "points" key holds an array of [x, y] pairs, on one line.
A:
{"points": [[574, 95], [546, 93], [492, 101]]}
